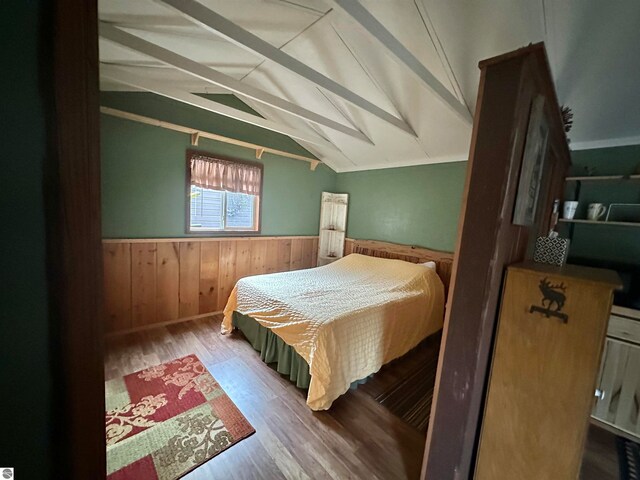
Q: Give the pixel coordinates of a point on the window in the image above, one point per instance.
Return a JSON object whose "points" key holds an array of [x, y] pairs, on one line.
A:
{"points": [[220, 210], [223, 195]]}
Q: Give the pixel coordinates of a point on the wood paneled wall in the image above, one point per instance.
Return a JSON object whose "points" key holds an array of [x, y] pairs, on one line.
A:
{"points": [[154, 281]]}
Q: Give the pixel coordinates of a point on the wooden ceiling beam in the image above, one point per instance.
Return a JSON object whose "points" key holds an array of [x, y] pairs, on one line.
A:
{"points": [[122, 75], [132, 42], [218, 24], [403, 56]]}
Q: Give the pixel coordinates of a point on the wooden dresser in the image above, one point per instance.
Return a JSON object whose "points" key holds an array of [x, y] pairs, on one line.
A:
{"points": [[546, 359], [617, 406]]}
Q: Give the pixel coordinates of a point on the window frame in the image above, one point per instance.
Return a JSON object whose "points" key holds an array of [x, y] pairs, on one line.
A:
{"points": [[233, 231]]}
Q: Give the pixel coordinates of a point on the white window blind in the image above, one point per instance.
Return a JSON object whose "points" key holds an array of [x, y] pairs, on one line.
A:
{"points": [[220, 210]]}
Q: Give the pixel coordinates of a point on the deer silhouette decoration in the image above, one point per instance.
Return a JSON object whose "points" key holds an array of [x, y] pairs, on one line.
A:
{"points": [[552, 294]]}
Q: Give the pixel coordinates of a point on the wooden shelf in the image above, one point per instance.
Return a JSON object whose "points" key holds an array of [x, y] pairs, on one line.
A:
{"points": [[603, 178], [333, 213], [598, 222]]}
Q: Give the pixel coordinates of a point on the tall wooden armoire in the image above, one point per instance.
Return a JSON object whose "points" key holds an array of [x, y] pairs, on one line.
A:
{"points": [[549, 340]]}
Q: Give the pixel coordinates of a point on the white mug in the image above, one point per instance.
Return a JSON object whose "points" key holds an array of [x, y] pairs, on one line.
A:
{"points": [[596, 211], [569, 209]]}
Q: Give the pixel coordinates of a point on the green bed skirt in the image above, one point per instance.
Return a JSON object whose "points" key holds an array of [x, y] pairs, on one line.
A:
{"points": [[273, 350]]}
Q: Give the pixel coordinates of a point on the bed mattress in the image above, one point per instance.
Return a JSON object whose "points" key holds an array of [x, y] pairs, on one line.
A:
{"points": [[346, 319]]}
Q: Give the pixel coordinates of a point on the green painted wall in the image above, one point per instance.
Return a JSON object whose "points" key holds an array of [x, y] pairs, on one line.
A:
{"points": [[412, 205], [598, 242], [25, 355], [143, 178], [143, 170]]}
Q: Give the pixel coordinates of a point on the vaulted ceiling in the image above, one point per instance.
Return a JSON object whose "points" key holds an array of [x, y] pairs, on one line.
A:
{"points": [[375, 83]]}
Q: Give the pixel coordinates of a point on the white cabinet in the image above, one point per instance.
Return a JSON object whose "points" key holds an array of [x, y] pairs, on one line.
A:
{"points": [[618, 395], [333, 226]]}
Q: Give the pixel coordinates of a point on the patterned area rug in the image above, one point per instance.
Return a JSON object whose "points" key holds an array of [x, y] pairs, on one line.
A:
{"points": [[629, 455], [165, 421]]}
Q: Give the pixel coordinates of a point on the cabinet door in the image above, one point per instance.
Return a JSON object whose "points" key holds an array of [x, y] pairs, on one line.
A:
{"points": [[543, 374], [619, 387]]}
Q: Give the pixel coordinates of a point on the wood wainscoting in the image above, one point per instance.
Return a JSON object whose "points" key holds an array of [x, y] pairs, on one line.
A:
{"points": [[149, 282]]}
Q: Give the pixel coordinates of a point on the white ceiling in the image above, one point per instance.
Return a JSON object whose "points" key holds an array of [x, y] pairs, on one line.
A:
{"points": [[593, 48]]}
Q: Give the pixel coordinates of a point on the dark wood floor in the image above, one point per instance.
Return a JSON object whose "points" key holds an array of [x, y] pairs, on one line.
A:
{"points": [[600, 461], [359, 437]]}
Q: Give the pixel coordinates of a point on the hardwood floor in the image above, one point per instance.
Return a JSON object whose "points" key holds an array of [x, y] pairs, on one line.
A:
{"points": [[405, 386], [600, 461], [357, 438]]}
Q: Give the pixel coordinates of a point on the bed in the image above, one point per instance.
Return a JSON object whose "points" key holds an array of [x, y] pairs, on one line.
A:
{"points": [[341, 322]]}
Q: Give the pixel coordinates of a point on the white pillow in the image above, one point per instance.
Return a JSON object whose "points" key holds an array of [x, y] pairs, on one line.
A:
{"points": [[431, 265]]}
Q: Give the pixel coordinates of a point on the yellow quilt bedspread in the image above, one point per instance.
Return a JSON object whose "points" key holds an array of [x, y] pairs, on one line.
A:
{"points": [[346, 319]]}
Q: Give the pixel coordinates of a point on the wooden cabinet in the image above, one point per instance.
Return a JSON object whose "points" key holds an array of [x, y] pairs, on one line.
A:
{"points": [[546, 359], [617, 403]]}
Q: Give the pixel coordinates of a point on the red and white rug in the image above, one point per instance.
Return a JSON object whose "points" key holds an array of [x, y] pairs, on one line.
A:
{"points": [[165, 421]]}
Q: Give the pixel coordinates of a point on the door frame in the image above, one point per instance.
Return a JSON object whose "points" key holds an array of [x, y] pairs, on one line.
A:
{"points": [[76, 263], [74, 240]]}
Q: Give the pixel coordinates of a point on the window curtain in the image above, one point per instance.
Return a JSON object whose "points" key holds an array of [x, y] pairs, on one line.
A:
{"points": [[218, 174]]}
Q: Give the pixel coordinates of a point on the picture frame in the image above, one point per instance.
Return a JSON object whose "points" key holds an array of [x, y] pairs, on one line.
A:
{"points": [[533, 159]]}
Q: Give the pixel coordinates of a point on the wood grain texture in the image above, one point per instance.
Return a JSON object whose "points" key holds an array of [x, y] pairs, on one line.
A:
{"points": [[156, 282], [314, 252], [227, 273], [284, 255], [542, 378], [358, 438], [308, 254], [488, 242], [242, 261], [117, 273], [69, 41], [258, 257], [296, 254], [143, 284], [168, 281], [160, 281], [272, 256], [189, 279], [209, 266]]}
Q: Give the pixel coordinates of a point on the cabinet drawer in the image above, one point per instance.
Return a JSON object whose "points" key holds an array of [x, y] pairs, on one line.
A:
{"points": [[623, 328]]}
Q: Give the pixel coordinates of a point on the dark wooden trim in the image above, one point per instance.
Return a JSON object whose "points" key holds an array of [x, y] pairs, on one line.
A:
{"points": [[219, 233], [75, 259]]}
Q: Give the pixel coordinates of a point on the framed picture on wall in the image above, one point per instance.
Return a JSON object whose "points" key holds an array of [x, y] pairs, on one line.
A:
{"points": [[535, 152]]}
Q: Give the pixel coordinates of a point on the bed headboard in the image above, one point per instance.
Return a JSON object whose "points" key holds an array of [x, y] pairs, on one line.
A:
{"points": [[409, 253]]}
